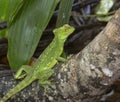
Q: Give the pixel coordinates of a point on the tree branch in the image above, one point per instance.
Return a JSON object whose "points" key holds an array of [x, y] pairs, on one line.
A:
{"points": [[86, 76]]}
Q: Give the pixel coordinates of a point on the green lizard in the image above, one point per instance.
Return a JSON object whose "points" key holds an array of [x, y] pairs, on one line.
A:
{"points": [[42, 69]]}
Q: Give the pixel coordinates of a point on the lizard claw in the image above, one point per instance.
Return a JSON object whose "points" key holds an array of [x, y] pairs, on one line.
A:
{"points": [[22, 72]]}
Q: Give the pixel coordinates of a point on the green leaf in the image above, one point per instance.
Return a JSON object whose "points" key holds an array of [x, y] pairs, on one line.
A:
{"points": [[64, 12], [6, 10], [14, 9], [4, 7], [26, 28], [64, 15], [103, 8]]}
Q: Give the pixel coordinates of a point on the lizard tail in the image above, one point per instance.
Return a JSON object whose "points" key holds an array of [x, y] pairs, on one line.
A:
{"points": [[28, 80]]}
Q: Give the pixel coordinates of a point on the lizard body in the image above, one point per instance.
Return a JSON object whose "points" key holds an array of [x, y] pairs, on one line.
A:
{"points": [[42, 69]]}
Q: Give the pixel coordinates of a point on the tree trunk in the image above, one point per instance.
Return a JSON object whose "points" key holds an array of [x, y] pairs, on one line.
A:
{"points": [[85, 77]]}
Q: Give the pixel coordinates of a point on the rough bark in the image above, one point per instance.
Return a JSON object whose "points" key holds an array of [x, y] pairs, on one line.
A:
{"points": [[85, 77]]}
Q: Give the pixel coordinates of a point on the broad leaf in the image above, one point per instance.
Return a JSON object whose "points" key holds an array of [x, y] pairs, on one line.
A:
{"points": [[7, 9], [26, 28], [64, 12]]}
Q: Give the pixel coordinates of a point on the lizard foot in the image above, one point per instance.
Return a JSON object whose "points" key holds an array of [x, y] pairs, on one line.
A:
{"points": [[46, 85], [44, 78], [22, 72]]}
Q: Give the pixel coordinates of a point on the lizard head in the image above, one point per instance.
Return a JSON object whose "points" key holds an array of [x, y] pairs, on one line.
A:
{"points": [[63, 32]]}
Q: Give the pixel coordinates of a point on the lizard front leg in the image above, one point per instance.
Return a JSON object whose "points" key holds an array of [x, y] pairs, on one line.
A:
{"points": [[22, 72], [62, 59]]}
